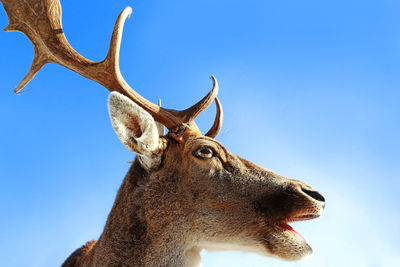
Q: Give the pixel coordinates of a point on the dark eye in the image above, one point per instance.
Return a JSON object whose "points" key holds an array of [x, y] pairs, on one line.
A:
{"points": [[204, 153]]}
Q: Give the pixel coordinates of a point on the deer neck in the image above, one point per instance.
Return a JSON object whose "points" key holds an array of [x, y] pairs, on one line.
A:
{"points": [[126, 240]]}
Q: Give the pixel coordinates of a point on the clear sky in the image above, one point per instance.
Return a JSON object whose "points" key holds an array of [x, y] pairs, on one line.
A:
{"points": [[310, 89]]}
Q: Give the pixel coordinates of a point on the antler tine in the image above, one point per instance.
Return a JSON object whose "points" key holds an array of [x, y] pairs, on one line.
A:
{"points": [[112, 61], [189, 114], [216, 127], [160, 127], [40, 21]]}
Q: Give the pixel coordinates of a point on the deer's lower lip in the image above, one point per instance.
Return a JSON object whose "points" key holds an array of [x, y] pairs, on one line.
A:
{"points": [[287, 228]]}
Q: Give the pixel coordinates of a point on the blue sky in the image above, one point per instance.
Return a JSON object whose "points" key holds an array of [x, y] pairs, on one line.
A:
{"points": [[310, 89]]}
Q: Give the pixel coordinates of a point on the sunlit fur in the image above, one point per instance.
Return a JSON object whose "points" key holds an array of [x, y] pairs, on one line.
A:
{"points": [[165, 215]]}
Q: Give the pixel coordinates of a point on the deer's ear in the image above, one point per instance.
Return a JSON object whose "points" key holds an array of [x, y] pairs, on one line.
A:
{"points": [[134, 126]]}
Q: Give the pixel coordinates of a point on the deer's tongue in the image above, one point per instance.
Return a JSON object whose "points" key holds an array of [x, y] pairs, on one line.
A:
{"points": [[288, 228]]}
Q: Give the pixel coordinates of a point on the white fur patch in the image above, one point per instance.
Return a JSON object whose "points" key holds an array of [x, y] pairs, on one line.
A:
{"points": [[248, 247]]}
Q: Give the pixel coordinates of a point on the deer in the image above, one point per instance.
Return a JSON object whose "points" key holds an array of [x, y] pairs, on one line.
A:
{"points": [[185, 191]]}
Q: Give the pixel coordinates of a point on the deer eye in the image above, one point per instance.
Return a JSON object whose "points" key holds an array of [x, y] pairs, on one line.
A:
{"points": [[204, 152]]}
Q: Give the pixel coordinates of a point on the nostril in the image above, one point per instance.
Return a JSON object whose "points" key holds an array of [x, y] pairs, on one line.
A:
{"points": [[314, 194]]}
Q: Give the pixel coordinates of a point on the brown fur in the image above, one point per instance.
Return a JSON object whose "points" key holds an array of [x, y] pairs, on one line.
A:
{"points": [[162, 217]]}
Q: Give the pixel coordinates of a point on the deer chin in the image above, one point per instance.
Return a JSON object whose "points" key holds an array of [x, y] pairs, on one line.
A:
{"points": [[285, 242]]}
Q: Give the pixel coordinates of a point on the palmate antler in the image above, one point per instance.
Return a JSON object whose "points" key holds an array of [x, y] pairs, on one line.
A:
{"points": [[40, 21]]}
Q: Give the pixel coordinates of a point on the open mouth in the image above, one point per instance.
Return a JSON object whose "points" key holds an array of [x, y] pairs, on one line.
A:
{"points": [[287, 228]]}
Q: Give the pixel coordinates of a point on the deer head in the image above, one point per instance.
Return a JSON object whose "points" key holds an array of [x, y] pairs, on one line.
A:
{"points": [[185, 188], [213, 198]]}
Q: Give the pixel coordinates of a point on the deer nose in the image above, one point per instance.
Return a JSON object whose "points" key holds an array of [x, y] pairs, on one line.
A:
{"points": [[314, 194]]}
